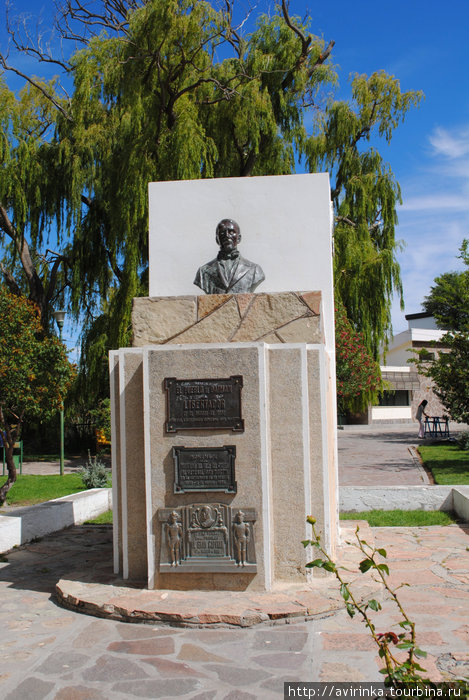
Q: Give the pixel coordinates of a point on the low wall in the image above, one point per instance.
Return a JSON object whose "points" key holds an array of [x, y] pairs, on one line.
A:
{"points": [[363, 498], [461, 502], [22, 525]]}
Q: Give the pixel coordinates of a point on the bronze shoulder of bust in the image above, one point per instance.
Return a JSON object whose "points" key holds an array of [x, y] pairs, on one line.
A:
{"points": [[229, 272]]}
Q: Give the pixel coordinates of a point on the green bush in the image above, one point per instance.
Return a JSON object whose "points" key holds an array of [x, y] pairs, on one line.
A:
{"points": [[94, 474], [463, 441]]}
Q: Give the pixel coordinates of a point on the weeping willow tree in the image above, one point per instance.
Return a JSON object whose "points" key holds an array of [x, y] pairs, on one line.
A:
{"points": [[365, 194], [173, 89], [28, 194]]}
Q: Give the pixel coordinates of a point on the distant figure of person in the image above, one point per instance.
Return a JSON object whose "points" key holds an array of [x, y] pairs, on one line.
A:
{"points": [[420, 413], [229, 272]]}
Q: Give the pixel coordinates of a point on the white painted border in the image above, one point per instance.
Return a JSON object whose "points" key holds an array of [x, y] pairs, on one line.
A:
{"points": [[266, 479], [147, 446], [323, 378], [306, 447], [113, 370], [125, 540]]}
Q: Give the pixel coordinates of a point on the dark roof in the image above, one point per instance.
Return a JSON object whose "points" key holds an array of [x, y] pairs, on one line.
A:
{"points": [[422, 314]]}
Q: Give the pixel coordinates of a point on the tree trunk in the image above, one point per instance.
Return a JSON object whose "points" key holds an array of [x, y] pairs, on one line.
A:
{"points": [[10, 462], [10, 436]]}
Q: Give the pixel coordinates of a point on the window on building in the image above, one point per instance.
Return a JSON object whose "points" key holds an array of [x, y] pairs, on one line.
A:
{"points": [[397, 397]]}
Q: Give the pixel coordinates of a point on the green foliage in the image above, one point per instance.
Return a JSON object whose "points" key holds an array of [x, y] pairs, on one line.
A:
{"points": [[29, 177], [365, 194], [94, 474], [30, 489], [358, 374], [448, 300], [402, 518], [101, 416], [399, 670], [462, 441], [34, 373], [34, 370], [176, 91], [448, 463], [449, 303], [450, 374], [103, 519]]}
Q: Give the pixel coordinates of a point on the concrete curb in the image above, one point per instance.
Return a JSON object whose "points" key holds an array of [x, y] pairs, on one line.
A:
{"points": [[22, 525], [355, 499]]}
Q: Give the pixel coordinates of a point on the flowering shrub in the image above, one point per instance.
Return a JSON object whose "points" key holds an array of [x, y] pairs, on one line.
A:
{"points": [[35, 373], [358, 374]]}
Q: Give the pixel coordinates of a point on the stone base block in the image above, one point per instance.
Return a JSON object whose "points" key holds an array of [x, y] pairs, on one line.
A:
{"points": [[284, 317], [284, 466]]}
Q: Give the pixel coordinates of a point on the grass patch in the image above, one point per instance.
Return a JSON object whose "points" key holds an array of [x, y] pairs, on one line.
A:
{"points": [[29, 489], [103, 519], [402, 518], [448, 464]]}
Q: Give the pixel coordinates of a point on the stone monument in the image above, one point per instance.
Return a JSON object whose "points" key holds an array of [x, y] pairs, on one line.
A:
{"points": [[223, 411]]}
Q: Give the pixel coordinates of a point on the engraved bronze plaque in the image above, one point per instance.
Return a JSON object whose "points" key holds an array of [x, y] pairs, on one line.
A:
{"points": [[207, 404], [204, 469], [207, 537]]}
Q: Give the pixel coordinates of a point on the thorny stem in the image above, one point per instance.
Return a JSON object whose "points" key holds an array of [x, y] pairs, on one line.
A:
{"points": [[392, 593], [383, 644]]}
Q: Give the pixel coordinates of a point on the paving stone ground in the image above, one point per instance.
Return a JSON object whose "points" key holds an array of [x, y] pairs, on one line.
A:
{"points": [[374, 455], [50, 653]]}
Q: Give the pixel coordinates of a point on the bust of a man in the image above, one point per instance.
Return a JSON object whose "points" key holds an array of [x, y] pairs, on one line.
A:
{"points": [[229, 272]]}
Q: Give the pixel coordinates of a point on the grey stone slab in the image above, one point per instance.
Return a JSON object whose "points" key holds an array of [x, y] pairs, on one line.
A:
{"points": [[275, 685], [127, 631], [288, 660], [30, 689], [172, 669], [157, 688], [289, 641], [80, 692], [111, 668], [61, 663], [237, 676], [144, 647]]}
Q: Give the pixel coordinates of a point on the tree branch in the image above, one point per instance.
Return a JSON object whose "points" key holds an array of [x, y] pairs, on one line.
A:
{"points": [[37, 85], [36, 288], [10, 281]]}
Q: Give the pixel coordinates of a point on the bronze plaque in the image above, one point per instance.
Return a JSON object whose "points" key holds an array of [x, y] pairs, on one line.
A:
{"points": [[207, 537], [207, 404], [204, 469]]}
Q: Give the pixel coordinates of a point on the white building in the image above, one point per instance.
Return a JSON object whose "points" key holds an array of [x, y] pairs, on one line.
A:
{"points": [[407, 388]]}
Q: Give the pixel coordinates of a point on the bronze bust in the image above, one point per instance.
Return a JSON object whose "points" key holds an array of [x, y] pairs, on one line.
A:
{"points": [[229, 272]]}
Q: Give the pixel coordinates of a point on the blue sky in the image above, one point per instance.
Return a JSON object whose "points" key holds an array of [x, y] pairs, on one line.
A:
{"points": [[425, 45]]}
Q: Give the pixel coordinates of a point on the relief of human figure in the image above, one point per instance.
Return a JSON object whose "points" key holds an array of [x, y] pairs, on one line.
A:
{"points": [[242, 535], [174, 537], [221, 526]]}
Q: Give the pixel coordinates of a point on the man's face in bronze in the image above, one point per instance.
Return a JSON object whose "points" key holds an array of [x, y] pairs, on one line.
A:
{"points": [[228, 235]]}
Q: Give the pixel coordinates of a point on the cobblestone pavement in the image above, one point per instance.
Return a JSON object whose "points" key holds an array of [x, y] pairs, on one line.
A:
{"points": [[49, 653], [380, 456]]}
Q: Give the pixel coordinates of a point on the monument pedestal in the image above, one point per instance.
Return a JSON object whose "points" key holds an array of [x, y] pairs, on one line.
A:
{"points": [[223, 441]]}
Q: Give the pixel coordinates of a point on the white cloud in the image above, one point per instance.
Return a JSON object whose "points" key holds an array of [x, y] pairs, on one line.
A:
{"points": [[454, 202], [450, 145]]}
